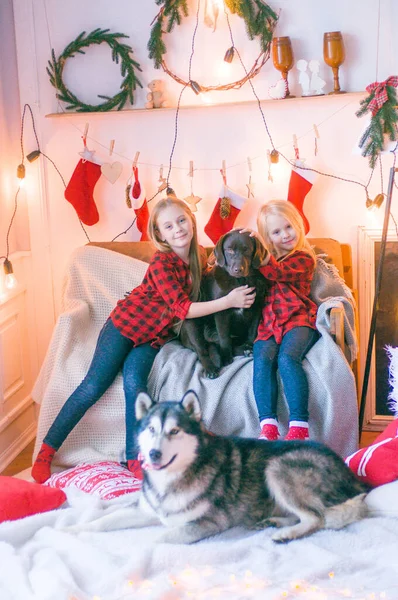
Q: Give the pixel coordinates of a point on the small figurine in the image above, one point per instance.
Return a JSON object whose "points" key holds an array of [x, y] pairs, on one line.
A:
{"points": [[156, 97], [317, 83], [304, 79]]}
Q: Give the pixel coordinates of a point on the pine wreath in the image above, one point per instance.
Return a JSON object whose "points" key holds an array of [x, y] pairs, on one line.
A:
{"points": [[382, 104], [260, 22], [120, 52]]}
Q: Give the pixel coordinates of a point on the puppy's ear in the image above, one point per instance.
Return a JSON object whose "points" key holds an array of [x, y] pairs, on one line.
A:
{"points": [[142, 405], [219, 252], [259, 253], [191, 404]]}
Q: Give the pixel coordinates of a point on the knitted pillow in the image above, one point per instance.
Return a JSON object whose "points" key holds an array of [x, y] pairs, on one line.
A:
{"points": [[20, 498], [106, 479], [378, 463]]}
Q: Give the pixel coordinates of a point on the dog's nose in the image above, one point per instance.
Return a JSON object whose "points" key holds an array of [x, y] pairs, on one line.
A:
{"points": [[155, 455], [238, 268]]}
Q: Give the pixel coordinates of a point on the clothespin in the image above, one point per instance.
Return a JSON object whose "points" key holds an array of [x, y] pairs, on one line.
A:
{"points": [[111, 147], [190, 173], [295, 146], [317, 136], [223, 172], [162, 180], [249, 185], [135, 160]]}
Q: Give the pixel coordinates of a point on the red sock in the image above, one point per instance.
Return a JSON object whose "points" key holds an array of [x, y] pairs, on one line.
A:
{"points": [[297, 433], [269, 432], [134, 466], [79, 191], [41, 470]]}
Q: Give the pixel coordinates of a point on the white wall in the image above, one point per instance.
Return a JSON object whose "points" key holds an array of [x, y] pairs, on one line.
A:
{"points": [[209, 134]]}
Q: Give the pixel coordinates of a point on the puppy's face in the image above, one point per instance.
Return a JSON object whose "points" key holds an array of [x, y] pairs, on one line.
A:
{"points": [[237, 253]]}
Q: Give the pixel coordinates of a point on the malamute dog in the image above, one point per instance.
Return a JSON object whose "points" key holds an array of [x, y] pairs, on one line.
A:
{"points": [[198, 484]]}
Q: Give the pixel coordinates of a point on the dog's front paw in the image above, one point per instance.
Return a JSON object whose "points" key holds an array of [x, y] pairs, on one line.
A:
{"points": [[212, 373], [247, 350]]}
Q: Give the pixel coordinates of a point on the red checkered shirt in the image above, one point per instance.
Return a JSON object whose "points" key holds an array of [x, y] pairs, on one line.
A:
{"points": [[287, 303], [149, 312]]}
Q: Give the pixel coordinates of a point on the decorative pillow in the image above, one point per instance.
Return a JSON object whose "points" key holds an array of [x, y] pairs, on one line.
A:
{"points": [[378, 463], [20, 498], [106, 479]]}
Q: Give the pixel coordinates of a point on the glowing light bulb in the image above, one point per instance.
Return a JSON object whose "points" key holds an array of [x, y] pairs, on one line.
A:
{"points": [[10, 281], [20, 173]]}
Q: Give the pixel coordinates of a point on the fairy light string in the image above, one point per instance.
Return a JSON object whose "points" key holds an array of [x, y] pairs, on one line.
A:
{"points": [[172, 167]]}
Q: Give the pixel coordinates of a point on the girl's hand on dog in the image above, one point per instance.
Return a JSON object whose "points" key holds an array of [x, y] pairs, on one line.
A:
{"points": [[241, 297]]}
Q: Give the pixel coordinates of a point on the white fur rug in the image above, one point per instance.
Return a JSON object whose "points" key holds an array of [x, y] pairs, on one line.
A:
{"points": [[39, 561]]}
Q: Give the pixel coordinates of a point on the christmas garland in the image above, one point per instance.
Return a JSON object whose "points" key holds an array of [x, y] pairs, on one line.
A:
{"points": [[382, 104], [120, 51], [260, 21]]}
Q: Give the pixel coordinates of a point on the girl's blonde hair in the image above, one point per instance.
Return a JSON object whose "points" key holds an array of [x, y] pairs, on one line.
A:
{"points": [[287, 210], [195, 265]]}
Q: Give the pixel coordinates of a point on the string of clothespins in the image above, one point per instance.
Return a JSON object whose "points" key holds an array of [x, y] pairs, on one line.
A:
{"points": [[89, 155]]}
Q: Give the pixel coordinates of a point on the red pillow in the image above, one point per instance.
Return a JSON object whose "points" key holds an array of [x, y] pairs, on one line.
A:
{"points": [[20, 498], [378, 463], [106, 479]]}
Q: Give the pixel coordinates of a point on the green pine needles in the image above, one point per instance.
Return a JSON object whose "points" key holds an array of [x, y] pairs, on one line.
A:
{"points": [[120, 52], [259, 18], [383, 123]]}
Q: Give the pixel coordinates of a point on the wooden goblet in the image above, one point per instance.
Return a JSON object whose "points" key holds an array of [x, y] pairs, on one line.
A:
{"points": [[334, 55]]}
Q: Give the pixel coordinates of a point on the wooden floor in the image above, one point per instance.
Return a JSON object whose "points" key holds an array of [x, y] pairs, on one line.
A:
{"points": [[24, 460], [21, 462]]}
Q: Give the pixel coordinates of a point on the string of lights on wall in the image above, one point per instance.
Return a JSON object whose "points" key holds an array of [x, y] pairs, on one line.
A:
{"points": [[273, 155]]}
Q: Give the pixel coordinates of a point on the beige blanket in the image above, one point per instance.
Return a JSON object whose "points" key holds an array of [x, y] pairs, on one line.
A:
{"points": [[95, 280]]}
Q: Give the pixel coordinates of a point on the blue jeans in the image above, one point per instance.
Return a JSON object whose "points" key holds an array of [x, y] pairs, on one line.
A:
{"points": [[287, 357], [113, 352]]}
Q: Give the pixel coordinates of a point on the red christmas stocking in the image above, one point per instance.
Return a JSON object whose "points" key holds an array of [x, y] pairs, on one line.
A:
{"points": [[79, 191], [224, 214], [140, 205], [300, 184]]}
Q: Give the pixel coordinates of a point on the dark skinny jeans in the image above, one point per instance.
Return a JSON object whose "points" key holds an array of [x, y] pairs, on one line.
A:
{"points": [[112, 353], [287, 357]]}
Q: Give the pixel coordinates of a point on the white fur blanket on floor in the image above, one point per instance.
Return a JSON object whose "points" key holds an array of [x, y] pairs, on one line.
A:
{"points": [[39, 561], [96, 278]]}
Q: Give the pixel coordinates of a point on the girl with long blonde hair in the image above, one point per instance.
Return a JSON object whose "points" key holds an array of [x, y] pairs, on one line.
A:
{"points": [[140, 324], [287, 329]]}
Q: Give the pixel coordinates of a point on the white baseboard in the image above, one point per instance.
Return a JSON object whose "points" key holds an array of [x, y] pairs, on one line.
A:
{"points": [[17, 446]]}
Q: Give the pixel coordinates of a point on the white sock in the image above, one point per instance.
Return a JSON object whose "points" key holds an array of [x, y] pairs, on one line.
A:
{"points": [[298, 424], [269, 422]]}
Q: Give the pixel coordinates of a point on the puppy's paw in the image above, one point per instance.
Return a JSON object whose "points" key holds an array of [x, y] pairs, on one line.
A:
{"points": [[248, 350], [212, 374]]}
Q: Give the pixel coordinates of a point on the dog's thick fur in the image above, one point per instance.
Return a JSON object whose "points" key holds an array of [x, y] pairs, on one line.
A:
{"points": [[200, 485], [218, 338]]}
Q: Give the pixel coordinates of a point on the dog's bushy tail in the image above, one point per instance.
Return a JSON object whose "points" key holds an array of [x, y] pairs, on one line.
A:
{"points": [[354, 509]]}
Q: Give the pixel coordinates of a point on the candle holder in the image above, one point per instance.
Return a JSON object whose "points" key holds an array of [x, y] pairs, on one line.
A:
{"points": [[334, 56], [282, 56]]}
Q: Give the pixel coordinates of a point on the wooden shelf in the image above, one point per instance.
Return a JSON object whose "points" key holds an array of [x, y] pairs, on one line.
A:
{"points": [[285, 101]]}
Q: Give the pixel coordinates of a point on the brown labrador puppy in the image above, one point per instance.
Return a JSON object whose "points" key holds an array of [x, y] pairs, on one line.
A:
{"points": [[218, 338]]}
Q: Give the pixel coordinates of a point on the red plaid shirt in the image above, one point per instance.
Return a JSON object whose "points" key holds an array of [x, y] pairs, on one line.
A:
{"points": [[287, 303], [149, 312]]}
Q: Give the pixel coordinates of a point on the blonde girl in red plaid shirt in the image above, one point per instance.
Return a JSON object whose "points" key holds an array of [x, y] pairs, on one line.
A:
{"points": [[140, 324], [287, 329]]}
